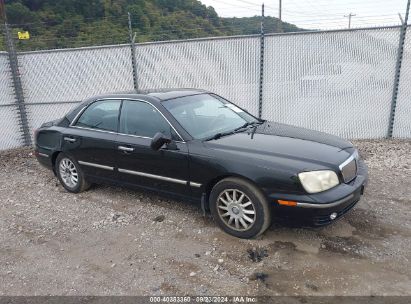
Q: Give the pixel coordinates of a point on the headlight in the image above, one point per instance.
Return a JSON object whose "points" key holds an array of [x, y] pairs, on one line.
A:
{"points": [[318, 181]]}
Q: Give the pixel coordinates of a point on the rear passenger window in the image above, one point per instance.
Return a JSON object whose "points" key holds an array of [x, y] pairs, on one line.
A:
{"points": [[101, 115], [141, 119]]}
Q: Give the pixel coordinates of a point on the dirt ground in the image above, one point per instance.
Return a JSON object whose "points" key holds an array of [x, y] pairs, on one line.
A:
{"points": [[114, 241]]}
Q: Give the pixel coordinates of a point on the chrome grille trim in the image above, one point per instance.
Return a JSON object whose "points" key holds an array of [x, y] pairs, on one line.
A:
{"points": [[349, 176], [349, 159]]}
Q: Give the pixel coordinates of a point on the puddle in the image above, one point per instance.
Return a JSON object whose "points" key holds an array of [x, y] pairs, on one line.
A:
{"points": [[279, 245], [350, 246]]}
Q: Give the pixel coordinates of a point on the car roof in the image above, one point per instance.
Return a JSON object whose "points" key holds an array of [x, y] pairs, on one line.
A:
{"points": [[153, 96], [165, 94], [159, 94]]}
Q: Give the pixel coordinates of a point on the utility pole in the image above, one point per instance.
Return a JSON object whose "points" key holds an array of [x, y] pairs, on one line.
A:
{"points": [[280, 21], [349, 16]]}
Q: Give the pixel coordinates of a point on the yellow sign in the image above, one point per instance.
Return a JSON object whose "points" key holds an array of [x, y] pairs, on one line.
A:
{"points": [[23, 35]]}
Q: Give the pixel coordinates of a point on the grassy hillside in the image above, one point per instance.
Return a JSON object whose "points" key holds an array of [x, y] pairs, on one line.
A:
{"points": [[252, 25], [73, 23]]}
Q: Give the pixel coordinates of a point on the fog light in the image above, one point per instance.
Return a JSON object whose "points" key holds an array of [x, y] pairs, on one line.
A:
{"points": [[333, 215]]}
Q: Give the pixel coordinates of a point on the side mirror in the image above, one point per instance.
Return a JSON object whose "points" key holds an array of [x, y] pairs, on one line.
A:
{"points": [[159, 140]]}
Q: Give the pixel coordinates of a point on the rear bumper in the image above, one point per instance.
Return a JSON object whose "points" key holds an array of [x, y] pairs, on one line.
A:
{"points": [[315, 209], [44, 158]]}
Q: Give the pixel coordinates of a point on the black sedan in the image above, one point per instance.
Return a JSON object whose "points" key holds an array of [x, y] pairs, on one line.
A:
{"points": [[196, 145]]}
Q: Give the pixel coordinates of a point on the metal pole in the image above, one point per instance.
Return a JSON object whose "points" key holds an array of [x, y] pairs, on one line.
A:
{"points": [[260, 92], [400, 54], [16, 80], [280, 21], [133, 52]]}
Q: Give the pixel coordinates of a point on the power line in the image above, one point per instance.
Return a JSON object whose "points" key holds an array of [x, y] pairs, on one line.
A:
{"points": [[248, 2]]}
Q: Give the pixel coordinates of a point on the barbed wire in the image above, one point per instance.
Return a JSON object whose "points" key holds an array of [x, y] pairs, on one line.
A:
{"points": [[92, 30], [295, 13], [298, 14]]}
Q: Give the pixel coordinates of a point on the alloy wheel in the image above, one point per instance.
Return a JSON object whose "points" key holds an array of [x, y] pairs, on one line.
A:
{"points": [[236, 209], [68, 173]]}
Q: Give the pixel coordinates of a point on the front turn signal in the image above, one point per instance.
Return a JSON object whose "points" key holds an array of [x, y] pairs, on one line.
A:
{"points": [[287, 203]]}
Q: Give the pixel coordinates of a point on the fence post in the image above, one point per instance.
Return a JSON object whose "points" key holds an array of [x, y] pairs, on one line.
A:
{"points": [[260, 91], [133, 52], [400, 54], [17, 86]]}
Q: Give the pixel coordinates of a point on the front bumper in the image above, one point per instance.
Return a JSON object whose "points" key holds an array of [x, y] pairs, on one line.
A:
{"points": [[315, 209]]}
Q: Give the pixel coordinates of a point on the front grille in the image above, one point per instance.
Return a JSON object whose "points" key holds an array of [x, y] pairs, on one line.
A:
{"points": [[349, 170]]}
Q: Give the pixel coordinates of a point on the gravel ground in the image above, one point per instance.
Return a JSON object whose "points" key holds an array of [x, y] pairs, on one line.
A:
{"points": [[114, 241]]}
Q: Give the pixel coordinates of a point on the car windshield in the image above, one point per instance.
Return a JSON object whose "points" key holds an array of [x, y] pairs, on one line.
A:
{"points": [[205, 115]]}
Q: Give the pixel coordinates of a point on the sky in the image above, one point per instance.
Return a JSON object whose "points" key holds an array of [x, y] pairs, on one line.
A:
{"points": [[317, 14]]}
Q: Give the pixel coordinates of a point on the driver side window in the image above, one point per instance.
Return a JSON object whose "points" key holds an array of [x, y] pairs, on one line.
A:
{"points": [[141, 119]]}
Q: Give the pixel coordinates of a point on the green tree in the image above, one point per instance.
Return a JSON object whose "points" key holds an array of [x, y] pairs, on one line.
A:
{"points": [[18, 13], [73, 23]]}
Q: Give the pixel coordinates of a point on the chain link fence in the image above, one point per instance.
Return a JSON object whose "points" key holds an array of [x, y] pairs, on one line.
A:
{"points": [[402, 122], [226, 66], [339, 82], [54, 80], [9, 122], [336, 82]]}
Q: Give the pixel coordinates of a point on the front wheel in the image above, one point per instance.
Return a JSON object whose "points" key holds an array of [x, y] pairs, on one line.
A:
{"points": [[70, 174], [239, 208]]}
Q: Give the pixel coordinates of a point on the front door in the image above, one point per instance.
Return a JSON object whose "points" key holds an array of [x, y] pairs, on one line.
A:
{"points": [[165, 170]]}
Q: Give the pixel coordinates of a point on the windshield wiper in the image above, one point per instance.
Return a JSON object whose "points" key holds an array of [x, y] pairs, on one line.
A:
{"points": [[221, 134], [247, 124]]}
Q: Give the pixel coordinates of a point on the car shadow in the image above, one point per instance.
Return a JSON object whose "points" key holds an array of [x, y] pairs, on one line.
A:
{"points": [[285, 222]]}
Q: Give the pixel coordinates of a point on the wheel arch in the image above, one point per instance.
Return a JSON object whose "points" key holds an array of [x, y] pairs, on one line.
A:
{"points": [[53, 160], [210, 184]]}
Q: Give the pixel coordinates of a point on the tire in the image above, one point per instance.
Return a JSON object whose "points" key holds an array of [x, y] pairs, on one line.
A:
{"points": [[70, 174], [226, 214]]}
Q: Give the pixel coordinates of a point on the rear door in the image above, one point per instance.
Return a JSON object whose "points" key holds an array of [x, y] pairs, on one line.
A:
{"points": [[91, 139], [165, 170]]}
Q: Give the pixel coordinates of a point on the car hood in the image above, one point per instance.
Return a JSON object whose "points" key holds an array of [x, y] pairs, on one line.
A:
{"points": [[272, 139]]}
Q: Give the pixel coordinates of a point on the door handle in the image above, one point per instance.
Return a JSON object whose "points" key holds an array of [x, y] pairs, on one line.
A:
{"points": [[70, 139], [125, 149]]}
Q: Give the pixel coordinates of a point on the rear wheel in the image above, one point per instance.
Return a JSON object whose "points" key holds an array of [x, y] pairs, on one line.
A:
{"points": [[70, 174], [239, 208]]}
